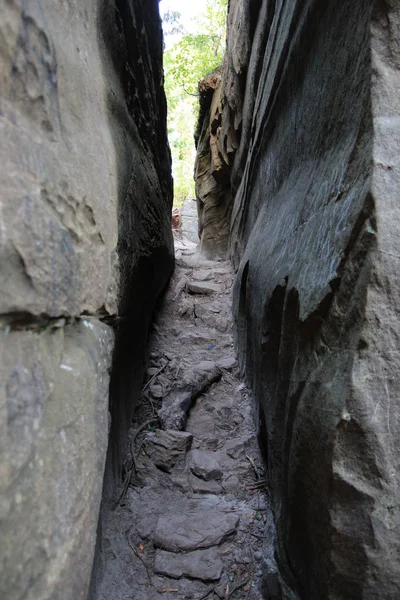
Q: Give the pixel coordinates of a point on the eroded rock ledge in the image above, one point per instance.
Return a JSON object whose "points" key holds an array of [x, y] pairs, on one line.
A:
{"points": [[85, 244], [308, 104]]}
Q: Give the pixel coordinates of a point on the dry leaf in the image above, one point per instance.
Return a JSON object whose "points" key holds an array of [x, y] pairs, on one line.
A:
{"points": [[165, 590], [141, 546]]}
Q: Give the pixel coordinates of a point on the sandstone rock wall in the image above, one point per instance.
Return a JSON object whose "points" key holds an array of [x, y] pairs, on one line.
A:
{"points": [[212, 172], [84, 236], [310, 94]]}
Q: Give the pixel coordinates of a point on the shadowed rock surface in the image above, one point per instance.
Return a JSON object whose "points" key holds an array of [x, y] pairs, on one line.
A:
{"points": [[189, 521], [84, 235], [310, 90]]}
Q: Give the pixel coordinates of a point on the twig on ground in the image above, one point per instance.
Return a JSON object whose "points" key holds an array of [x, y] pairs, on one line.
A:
{"points": [[210, 591], [253, 464], [136, 553], [143, 426], [180, 287], [160, 370], [259, 485], [259, 537], [237, 587], [124, 488], [146, 395], [133, 465], [142, 449]]}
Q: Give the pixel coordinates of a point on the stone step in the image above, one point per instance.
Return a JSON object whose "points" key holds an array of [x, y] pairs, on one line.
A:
{"points": [[202, 287], [205, 465], [200, 564], [194, 528], [203, 275], [199, 486]]}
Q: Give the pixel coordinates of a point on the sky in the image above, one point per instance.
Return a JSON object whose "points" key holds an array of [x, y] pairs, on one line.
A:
{"points": [[188, 10]]}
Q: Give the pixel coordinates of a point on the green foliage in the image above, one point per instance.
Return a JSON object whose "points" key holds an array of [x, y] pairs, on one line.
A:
{"points": [[190, 59], [186, 62]]}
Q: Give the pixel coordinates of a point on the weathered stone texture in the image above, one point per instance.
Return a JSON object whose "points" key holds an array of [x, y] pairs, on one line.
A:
{"points": [[85, 190], [310, 90], [54, 426], [211, 172], [55, 135]]}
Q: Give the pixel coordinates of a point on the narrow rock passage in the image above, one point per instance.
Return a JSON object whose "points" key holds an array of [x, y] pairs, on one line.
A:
{"points": [[191, 522]]}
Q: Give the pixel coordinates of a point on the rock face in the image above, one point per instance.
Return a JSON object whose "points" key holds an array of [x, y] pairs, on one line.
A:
{"points": [[54, 432], [211, 172], [84, 235], [309, 96]]}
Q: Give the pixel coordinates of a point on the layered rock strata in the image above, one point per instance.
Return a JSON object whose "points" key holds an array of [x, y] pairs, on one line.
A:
{"points": [[211, 172], [309, 93], [84, 243]]}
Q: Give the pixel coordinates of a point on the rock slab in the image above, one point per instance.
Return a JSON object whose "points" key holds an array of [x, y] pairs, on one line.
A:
{"points": [[201, 564], [201, 287], [166, 447], [199, 486], [205, 465], [197, 528]]}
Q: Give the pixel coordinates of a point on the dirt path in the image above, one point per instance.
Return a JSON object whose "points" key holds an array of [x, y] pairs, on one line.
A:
{"points": [[191, 523]]}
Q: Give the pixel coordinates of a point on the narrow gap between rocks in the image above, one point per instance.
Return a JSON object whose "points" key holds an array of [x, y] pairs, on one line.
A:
{"points": [[190, 518]]}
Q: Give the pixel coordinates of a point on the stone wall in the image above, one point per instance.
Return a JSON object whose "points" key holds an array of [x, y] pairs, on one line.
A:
{"points": [[310, 92], [85, 245]]}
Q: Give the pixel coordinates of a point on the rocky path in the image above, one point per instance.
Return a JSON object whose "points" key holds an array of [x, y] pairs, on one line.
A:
{"points": [[191, 522]]}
